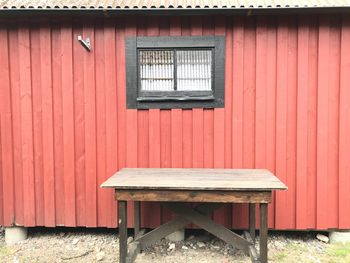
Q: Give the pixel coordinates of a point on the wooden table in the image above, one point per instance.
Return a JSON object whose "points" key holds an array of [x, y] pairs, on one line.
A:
{"points": [[212, 188]]}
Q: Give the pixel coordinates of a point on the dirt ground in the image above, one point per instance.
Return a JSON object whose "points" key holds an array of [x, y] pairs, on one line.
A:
{"points": [[101, 245]]}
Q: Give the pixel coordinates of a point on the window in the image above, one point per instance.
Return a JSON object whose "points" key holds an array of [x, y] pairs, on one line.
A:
{"points": [[175, 72]]}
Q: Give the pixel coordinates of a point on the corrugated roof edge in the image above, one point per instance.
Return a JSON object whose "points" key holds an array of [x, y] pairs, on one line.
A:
{"points": [[103, 11]]}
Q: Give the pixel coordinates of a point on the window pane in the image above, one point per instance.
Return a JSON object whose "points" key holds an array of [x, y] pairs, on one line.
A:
{"points": [[194, 69], [156, 70]]}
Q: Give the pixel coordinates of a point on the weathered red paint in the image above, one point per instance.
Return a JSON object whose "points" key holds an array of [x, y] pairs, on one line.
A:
{"points": [[64, 126]]}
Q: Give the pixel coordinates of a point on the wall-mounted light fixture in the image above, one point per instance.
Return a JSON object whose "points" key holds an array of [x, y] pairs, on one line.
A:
{"points": [[85, 43]]}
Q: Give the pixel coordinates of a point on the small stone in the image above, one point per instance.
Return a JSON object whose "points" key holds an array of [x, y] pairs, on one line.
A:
{"points": [[62, 234], [75, 241], [100, 256], [200, 244], [130, 239], [171, 247], [215, 247], [322, 238], [184, 247], [190, 237]]}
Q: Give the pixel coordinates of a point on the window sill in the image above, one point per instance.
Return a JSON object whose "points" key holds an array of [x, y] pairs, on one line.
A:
{"points": [[175, 98]]}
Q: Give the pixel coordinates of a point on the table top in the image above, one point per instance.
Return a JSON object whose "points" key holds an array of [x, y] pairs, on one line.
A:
{"points": [[194, 179]]}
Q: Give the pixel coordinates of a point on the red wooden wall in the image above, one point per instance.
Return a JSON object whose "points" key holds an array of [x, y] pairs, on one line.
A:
{"points": [[65, 127]]}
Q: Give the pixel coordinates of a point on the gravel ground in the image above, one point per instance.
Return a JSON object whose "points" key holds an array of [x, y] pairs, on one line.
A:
{"points": [[101, 245]]}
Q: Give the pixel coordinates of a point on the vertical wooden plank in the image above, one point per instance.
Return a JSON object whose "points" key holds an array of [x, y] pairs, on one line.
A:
{"points": [[322, 122], [68, 125], [6, 129], [237, 105], [47, 115], [90, 130], [111, 116], [237, 93], [120, 58], [228, 93], [261, 90], [312, 123], [249, 94], [291, 121], [344, 127], [58, 122], [333, 123], [302, 99], [101, 146], [37, 123], [27, 126], [79, 124], [281, 115], [17, 124], [220, 216], [270, 144]]}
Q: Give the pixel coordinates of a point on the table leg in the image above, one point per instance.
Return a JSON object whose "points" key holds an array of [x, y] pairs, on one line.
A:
{"points": [[263, 233], [123, 235], [252, 221], [136, 218]]}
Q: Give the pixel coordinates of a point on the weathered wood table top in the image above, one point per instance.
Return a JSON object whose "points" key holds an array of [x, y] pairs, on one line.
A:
{"points": [[195, 179]]}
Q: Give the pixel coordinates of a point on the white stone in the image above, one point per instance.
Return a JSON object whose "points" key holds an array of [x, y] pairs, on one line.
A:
{"points": [[171, 247], [100, 256], [177, 236], [15, 234], [75, 241], [322, 238], [184, 247], [339, 237], [200, 244]]}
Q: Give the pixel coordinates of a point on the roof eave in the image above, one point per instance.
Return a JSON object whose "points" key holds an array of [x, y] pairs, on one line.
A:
{"points": [[111, 12]]}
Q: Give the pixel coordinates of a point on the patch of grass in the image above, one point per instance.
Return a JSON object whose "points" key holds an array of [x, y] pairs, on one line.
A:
{"points": [[280, 257], [4, 252], [294, 253], [339, 253]]}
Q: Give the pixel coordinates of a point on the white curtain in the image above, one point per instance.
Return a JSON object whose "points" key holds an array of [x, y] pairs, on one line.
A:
{"points": [[157, 70], [193, 70]]}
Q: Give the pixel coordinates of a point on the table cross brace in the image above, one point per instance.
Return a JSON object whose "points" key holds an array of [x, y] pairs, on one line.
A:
{"points": [[209, 225], [175, 224]]}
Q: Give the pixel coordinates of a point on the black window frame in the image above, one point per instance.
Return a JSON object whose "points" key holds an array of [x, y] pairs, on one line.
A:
{"points": [[137, 99]]}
